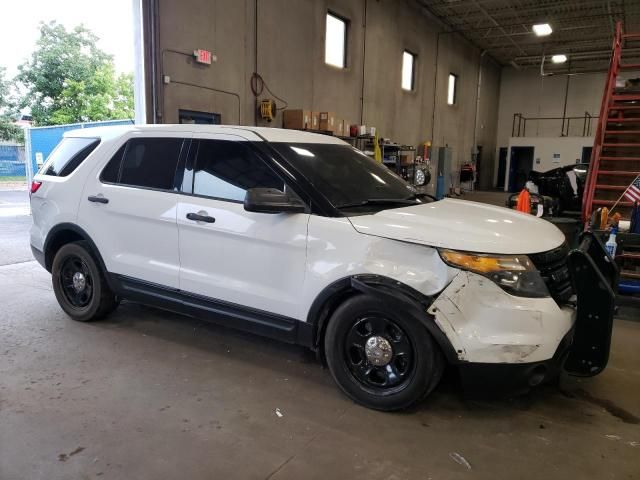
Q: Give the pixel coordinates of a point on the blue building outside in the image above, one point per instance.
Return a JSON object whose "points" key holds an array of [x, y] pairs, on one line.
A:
{"points": [[40, 141]]}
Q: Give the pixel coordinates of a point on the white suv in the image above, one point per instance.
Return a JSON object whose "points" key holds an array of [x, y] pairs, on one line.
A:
{"points": [[303, 238]]}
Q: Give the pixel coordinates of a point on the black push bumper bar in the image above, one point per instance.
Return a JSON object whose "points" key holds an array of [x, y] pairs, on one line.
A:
{"points": [[594, 275]]}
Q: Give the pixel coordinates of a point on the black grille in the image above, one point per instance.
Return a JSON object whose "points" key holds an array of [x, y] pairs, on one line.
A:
{"points": [[552, 265]]}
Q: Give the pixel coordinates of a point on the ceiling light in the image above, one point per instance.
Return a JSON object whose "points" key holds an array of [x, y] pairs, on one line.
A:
{"points": [[559, 58], [542, 29]]}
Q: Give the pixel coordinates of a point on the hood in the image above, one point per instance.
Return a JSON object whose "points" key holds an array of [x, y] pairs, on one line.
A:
{"points": [[463, 225]]}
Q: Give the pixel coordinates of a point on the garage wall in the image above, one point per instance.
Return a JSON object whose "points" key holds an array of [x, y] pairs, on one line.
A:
{"points": [[532, 95], [549, 152], [290, 58]]}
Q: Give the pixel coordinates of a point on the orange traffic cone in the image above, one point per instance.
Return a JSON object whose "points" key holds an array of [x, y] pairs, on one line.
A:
{"points": [[524, 201]]}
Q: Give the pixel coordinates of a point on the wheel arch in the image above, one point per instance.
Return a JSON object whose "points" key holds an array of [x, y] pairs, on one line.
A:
{"points": [[65, 233], [392, 290]]}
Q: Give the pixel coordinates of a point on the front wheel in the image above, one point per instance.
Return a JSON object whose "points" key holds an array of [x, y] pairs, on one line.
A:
{"points": [[380, 356], [79, 285]]}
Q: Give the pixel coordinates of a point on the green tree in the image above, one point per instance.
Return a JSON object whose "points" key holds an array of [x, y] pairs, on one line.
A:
{"points": [[69, 79], [8, 131], [104, 96]]}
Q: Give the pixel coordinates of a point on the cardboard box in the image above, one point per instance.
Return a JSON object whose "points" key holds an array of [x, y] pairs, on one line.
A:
{"points": [[406, 159], [315, 120], [298, 119], [339, 131], [327, 121]]}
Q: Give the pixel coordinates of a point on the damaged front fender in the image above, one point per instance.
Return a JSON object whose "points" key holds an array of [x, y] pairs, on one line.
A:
{"points": [[485, 324]]}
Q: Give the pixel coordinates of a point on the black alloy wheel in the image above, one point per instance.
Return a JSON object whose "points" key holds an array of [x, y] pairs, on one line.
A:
{"points": [[76, 281], [380, 355], [79, 283]]}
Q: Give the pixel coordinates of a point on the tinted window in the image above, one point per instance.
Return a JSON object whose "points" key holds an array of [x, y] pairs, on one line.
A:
{"points": [[112, 170], [69, 153], [145, 162], [227, 169], [343, 174]]}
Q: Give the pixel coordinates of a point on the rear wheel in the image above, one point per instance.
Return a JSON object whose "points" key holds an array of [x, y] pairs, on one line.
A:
{"points": [[380, 356], [79, 284]]}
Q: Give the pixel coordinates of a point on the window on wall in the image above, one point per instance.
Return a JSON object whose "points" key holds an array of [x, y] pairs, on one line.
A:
{"points": [[335, 48], [452, 89], [408, 70]]}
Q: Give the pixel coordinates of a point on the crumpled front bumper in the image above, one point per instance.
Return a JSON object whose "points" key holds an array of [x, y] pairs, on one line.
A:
{"points": [[490, 379], [486, 325], [504, 342]]}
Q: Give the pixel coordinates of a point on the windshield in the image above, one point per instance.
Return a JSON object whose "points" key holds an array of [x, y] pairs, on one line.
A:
{"points": [[347, 177]]}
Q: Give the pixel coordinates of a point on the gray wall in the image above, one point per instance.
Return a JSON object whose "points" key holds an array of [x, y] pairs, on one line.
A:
{"points": [[290, 58], [532, 95]]}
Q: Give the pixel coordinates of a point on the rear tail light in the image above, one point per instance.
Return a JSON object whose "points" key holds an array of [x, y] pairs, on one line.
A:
{"points": [[35, 186]]}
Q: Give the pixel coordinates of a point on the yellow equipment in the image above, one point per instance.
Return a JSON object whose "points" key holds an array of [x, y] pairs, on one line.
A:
{"points": [[267, 109]]}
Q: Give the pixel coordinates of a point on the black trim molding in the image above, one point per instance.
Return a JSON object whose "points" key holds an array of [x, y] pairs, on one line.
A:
{"points": [[286, 329]]}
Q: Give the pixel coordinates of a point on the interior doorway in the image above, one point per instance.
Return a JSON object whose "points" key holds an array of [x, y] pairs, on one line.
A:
{"points": [[502, 167], [520, 164]]}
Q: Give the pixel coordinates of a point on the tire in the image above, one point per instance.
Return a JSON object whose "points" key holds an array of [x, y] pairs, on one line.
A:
{"points": [[414, 365], [79, 284]]}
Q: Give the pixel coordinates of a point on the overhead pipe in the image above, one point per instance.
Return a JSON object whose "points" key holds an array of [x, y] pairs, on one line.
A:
{"points": [[255, 57], [364, 58], [479, 86], [435, 88], [580, 55], [153, 55]]}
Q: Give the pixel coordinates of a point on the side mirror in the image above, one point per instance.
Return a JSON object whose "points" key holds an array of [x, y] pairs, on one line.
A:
{"points": [[270, 200]]}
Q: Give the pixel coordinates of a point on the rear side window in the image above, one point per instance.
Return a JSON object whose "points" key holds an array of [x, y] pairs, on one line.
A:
{"points": [[145, 162], [227, 169], [69, 153]]}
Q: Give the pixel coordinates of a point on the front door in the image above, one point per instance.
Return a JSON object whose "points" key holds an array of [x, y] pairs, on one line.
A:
{"points": [[227, 254]]}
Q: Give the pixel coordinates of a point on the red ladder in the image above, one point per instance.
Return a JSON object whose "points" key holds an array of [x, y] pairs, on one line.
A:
{"points": [[615, 158]]}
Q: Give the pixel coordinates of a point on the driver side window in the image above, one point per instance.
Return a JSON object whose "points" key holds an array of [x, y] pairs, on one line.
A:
{"points": [[225, 170]]}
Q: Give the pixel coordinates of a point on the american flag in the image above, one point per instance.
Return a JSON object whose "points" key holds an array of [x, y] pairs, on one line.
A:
{"points": [[633, 192]]}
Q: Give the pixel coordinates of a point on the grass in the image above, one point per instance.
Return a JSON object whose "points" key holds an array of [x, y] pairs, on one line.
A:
{"points": [[13, 179]]}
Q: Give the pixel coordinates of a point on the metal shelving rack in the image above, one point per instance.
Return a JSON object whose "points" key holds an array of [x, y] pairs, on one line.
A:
{"points": [[391, 154]]}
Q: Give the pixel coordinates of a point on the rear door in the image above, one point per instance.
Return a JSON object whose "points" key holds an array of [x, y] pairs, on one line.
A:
{"points": [[129, 206], [227, 254]]}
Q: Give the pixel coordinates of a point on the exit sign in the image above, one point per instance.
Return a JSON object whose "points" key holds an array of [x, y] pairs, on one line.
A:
{"points": [[203, 56]]}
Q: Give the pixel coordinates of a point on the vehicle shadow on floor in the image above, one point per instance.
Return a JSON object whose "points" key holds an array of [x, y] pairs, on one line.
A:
{"points": [[208, 337], [565, 398]]}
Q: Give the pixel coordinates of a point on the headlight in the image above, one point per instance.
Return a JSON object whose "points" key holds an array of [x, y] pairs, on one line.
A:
{"points": [[515, 274], [420, 177]]}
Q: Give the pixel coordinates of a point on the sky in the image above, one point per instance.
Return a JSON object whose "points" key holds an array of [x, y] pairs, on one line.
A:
{"points": [[110, 20]]}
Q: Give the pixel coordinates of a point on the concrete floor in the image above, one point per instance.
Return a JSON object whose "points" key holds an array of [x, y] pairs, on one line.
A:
{"points": [[146, 394]]}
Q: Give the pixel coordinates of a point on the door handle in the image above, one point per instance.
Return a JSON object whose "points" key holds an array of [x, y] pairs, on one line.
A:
{"points": [[198, 217], [98, 199]]}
